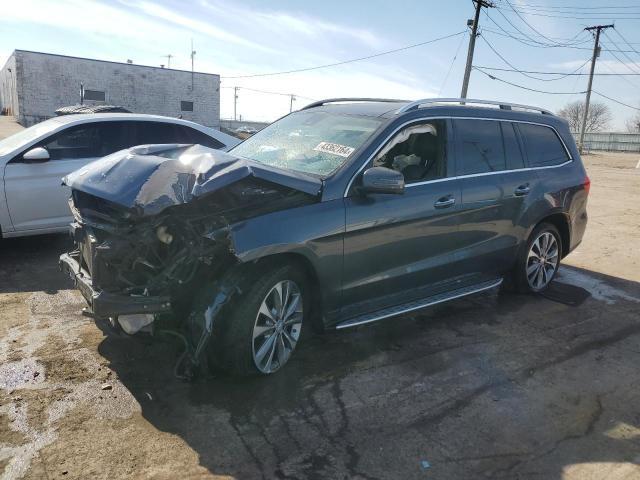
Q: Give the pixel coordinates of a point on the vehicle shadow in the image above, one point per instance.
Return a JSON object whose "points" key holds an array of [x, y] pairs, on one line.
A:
{"points": [[499, 385], [30, 264]]}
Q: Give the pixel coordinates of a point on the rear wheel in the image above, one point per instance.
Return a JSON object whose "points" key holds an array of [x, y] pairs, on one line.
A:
{"points": [[538, 263]]}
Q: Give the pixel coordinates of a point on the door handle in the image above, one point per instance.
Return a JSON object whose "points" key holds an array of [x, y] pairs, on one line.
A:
{"points": [[445, 202], [522, 190]]}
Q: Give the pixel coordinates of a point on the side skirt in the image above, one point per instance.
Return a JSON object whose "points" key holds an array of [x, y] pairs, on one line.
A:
{"points": [[418, 304]]}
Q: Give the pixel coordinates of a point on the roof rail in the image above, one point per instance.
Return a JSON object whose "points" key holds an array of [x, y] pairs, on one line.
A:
{"points": [[357, 99], [462, 101]]}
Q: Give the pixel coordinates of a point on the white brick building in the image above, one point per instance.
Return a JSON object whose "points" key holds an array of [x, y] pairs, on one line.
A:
{"points": [[33, 85]]}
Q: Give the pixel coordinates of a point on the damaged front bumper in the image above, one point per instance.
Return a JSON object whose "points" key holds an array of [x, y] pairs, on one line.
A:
{"points": [[104, 304]]}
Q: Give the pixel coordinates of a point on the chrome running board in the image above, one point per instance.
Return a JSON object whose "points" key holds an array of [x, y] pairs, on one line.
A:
{"points": [[418, 304]]}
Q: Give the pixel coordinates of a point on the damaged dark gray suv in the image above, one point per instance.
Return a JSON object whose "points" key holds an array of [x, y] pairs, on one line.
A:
{"points": [[346, 212]]}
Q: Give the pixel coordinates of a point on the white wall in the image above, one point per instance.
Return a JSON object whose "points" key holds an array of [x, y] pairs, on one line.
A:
{"points": [[8, 92], [48, 82]]}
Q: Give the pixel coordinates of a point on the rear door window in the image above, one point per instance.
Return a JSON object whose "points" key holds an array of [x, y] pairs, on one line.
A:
{"points": [[158, 132], [542, 145], [479, 146], [512, 149]]}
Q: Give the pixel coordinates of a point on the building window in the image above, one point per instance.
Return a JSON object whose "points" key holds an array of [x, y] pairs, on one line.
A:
{"points": [[186, 106], [96, 95]]}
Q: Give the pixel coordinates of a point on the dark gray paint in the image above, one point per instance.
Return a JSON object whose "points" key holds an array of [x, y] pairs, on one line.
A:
{"points": [[369, 251]]}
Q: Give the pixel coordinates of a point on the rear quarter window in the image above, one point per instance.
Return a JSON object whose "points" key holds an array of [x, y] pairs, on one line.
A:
{"points": [[542, 146]]}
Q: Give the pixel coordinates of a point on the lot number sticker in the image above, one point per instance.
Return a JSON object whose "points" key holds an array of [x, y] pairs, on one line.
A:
{"points": [[334, 148]]}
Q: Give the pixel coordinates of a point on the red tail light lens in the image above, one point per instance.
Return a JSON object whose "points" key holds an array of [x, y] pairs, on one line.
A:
{"points": [[587, 185]]}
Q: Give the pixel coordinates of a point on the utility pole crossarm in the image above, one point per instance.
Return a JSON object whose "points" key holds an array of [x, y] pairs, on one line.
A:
{"points": [[596, 52], [472, 44]]}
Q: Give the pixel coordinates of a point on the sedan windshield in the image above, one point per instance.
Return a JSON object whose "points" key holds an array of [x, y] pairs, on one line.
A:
{"points": [[315, 142]]}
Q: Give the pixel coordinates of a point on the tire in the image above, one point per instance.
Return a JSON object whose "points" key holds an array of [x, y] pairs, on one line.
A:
{"points": [[525, 277], [232, 347]]}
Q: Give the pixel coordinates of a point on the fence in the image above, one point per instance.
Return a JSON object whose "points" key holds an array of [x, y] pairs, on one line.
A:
{"points": [[611, 141]]}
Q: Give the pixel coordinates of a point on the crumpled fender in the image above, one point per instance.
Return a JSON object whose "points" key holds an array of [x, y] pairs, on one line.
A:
{"points": [[151, 178]]}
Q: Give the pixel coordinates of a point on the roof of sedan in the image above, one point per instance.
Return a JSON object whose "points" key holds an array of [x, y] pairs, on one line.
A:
{"points": [[90, 117]]}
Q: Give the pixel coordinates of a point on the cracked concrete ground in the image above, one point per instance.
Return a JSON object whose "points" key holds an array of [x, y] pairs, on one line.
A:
{"points": [[491, 386]]}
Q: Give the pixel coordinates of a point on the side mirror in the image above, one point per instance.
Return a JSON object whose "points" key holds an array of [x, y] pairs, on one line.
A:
{"points": [[36, 155], [382, 180]]}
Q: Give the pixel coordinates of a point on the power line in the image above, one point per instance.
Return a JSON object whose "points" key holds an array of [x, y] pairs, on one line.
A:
{"points": [[395, 50], [527, 23], [528, 37], [453, 60], [576, 7], [272, 93], [614, 100], [574, 11], [623, 76], [493, 77], [625, 41], [625, 55], [625, 64], [525, 73], [617, 16], [508, 34], [566, 74]]}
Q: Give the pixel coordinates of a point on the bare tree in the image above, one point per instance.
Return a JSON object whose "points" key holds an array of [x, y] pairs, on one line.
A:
{"points": [[598, 119], [633, 123]]}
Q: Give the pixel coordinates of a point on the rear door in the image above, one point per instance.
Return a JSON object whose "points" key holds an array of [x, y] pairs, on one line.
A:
{"points": [[398, 248], [495, 187], [35, 196]]}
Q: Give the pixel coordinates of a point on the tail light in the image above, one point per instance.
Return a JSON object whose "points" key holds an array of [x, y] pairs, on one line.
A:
{"points": [[587, 184]]}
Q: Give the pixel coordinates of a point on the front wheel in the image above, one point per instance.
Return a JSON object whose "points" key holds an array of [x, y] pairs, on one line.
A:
{"points": [[259, 330], [538, 263]]}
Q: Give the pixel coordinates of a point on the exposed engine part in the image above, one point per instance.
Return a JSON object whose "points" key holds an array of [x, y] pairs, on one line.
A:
{"points": [[163, 236], [154, 224], [132, 324]]}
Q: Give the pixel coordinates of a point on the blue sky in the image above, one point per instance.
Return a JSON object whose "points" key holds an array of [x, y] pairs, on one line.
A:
{"points": [[238, 38]]}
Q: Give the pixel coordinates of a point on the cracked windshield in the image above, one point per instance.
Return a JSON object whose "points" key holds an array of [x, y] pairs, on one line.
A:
{"points": [[310, 142]]}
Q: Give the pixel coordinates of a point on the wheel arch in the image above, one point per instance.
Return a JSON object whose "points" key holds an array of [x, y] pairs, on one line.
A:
{"points": [[306, 266], [561, 221]]}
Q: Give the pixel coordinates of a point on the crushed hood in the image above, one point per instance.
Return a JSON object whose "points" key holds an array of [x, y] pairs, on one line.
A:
{"points": [[150, 178]]}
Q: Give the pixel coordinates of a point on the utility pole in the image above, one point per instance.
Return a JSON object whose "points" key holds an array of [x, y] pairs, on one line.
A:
{"points": [[193, 54], [292, 98], [235, 101], [472, 43], [596, 53]]}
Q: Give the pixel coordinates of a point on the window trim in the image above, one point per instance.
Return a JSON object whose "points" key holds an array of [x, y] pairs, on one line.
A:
{"points": [[450, 117]]}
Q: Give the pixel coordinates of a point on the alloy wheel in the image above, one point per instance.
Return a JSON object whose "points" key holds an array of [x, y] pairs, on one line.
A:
{"points": [[277, 327], [542, 260]]}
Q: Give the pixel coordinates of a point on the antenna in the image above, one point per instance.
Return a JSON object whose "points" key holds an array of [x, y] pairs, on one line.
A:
{"points": [[168, 57]]}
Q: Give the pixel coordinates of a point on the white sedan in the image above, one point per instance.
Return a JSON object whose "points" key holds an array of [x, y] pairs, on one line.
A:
{"points": [[33, 161]]}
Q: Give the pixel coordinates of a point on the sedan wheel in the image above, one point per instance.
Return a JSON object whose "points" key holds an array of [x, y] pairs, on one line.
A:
{"points": [[277, 326], [542, 260]]}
